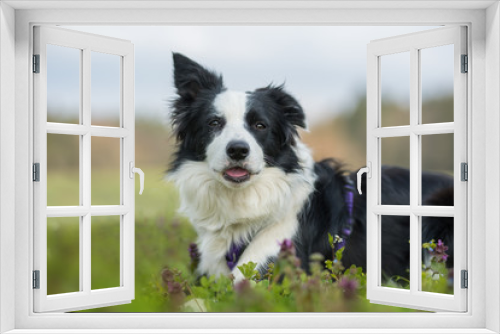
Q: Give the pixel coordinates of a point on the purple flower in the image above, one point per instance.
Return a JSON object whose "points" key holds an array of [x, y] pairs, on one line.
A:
{"points": [[439, 253], [286, 247], [194, 253], [176, 293], [286, 244], [349, 286], [167, 275], [242, 286], [174, 287]]}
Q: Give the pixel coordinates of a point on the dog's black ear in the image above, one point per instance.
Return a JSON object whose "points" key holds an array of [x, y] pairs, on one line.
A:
{"points": [[190, 78], [292, 110]]}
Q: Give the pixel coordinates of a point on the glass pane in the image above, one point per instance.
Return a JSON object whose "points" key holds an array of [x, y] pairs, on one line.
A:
{"points": [[437, 169], [63, 170], [395, 251], [105, 89], [105, 252], [395, 87], [105, 171], [63, 255], [63, 84], [395, 175], [437, 84], [437, 254]]}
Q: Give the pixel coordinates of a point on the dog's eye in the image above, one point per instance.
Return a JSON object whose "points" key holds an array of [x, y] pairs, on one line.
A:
{"points": [[260, 126], [215, 123]]}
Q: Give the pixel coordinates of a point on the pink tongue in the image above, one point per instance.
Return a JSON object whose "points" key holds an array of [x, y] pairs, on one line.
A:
{"points": [[236, 172]]}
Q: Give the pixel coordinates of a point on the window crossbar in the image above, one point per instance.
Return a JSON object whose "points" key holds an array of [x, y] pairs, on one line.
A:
{"points": [[79, 211], [419, 210], [421, 129], [77, 129]]}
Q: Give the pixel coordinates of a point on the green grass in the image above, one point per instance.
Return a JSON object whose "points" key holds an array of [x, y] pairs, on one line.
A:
{"points": [[162, 239]]}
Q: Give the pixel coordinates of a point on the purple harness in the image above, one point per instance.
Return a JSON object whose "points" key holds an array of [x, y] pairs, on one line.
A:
{"points": [[235, 250], [349, 203], [233, 255]]}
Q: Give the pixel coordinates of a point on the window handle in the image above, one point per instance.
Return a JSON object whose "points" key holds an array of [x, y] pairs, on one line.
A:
{"points": [[139, 171], [363, 170]]}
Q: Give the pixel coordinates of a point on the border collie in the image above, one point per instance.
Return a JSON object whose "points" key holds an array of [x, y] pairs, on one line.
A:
{"points": [[247, 182]]}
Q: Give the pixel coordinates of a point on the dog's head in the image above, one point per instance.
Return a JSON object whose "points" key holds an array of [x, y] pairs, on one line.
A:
{"points": [[238, 134]]}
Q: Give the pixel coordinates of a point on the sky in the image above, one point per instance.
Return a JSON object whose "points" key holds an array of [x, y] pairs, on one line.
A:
{"points": [[324, 67]]}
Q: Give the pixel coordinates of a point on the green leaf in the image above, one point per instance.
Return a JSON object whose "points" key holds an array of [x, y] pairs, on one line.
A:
{"points": [[330, 240], [204, 282], [248, 270], [339, 253]]}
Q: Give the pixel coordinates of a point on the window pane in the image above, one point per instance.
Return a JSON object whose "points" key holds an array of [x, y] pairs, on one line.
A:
{"points": [[105, 171], [63, 170], [437, 169], [395, 86], [395, 174], [105, 252], [437, 254], [63, 84], [395, 251], [437, 84], [105, 89], [63, 255]]}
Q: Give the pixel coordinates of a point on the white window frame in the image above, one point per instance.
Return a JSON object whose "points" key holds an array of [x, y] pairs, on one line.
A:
{"points": [[16, 126], [123, 50]]}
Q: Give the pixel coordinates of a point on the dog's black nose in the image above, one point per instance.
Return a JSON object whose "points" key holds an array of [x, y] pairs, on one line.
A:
{"points": [[237, 150]]}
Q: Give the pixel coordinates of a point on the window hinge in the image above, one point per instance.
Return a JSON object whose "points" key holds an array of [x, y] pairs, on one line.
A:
{"points": [[36, 63], [464, 167], [36, 172], [465, 64], [36, 279], [465, 279]]}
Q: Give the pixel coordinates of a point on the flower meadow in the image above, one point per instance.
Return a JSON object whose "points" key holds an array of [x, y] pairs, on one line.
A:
{"points": [[285, 287]]}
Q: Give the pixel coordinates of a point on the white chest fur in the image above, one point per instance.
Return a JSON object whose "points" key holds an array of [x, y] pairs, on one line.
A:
{"points": [[237, 213]]}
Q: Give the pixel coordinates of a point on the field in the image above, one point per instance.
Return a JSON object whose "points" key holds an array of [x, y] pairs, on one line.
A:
{"points": [[164, 281], [162, 241]]}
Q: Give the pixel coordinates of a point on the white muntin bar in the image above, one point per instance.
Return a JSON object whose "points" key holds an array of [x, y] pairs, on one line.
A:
{"points": [[418, 129], [78, 129], [415, 155]]}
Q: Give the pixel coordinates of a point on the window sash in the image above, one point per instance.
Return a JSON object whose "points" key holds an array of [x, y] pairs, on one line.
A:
{"points": [[85, 298], [414, 298]]}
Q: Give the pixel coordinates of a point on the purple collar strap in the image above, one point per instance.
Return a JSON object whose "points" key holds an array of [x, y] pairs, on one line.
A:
{"points": [[349, 204], [233, 254]]}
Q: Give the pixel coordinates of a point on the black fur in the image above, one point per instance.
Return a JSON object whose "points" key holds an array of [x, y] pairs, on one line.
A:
{"points": [[327, 213], [193, 109], [282, 114]]}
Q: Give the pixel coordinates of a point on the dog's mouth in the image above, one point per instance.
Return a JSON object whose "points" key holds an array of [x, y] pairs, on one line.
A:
{"points": [[236, 174]]}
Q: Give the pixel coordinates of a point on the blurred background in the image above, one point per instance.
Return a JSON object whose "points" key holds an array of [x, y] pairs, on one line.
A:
{"points": [[323, 67]]}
